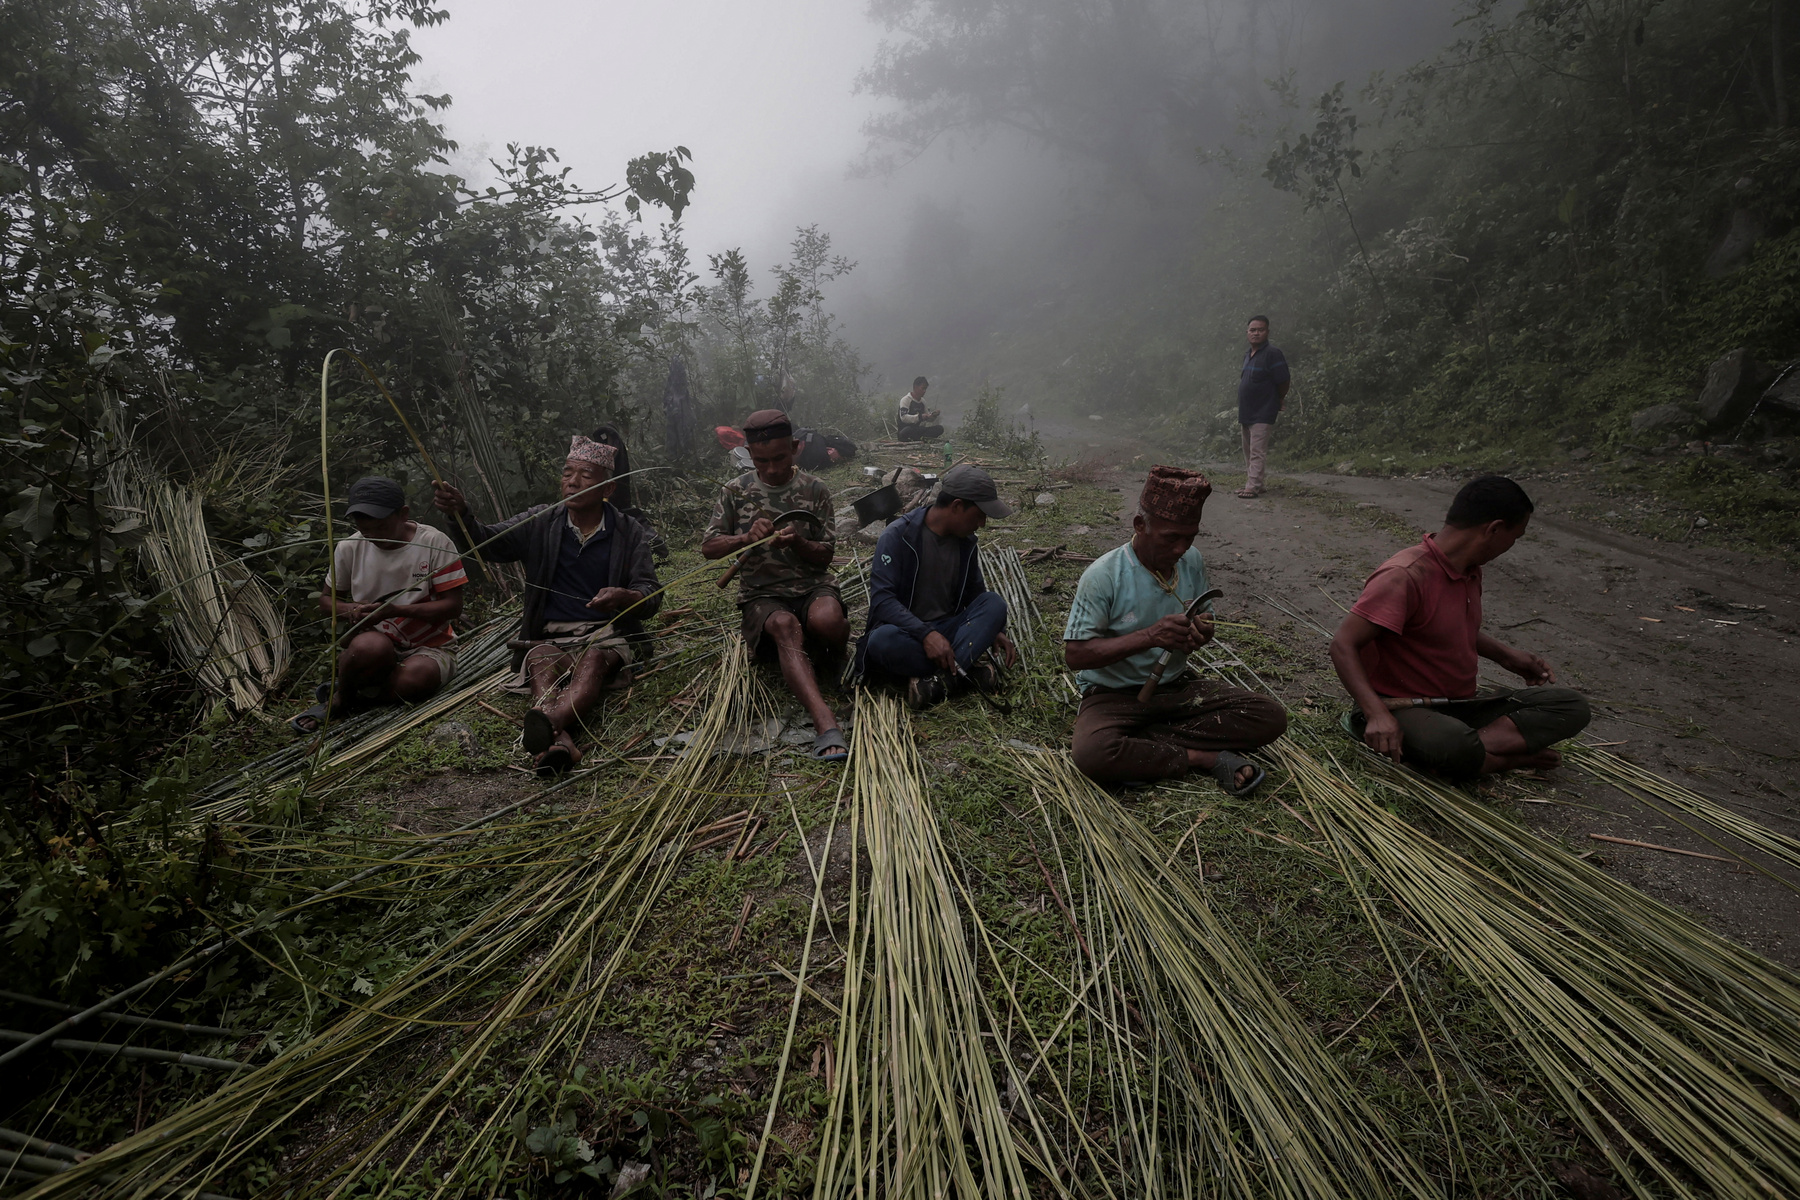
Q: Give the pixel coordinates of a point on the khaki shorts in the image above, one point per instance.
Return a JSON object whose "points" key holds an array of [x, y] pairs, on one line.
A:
{"points": [[577, 638], [443, 656], [756, 614]]}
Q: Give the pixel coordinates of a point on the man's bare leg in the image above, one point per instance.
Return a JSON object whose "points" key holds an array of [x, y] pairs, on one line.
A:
{"points": [[587, 680], [797, 670], [412, 680], [367, 661], [1506, 750]]}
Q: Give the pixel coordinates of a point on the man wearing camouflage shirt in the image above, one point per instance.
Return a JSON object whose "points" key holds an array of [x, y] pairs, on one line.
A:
{"points": [[785, 588]]}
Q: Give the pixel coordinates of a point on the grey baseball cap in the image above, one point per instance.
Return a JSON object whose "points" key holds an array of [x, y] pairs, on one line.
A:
{"points": [[375, 496], [977, 487]]}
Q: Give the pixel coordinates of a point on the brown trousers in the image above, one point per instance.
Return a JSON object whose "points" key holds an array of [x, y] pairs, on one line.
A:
{"points": [[1119, 740]]}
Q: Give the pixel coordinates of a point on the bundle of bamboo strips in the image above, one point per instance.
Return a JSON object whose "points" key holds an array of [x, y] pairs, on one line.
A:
{"points": [[1238, 1097], [221, 618], [1000, 567], [1657, 1036], [548, 950], [917, 1111]]}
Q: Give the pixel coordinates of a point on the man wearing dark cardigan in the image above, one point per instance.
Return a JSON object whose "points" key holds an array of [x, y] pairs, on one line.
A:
{"points": [[589, 586]]}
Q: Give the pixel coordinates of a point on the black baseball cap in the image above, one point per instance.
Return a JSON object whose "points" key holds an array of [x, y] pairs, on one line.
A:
{"points": [[375, 496], [977, 487]]}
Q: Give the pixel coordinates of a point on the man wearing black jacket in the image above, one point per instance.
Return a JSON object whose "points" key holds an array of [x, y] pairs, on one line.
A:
{"points": [[589, 586], [930, 613]]}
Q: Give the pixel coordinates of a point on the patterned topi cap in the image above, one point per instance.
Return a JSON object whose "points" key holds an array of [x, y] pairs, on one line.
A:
{"points": [[1174, 494], [586, 449], [766, 425]]}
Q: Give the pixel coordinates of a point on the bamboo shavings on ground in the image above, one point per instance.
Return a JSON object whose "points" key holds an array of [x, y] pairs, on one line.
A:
{"points": [[1593, 981], [527, 976], [916, 1112], [1243, 1100]]}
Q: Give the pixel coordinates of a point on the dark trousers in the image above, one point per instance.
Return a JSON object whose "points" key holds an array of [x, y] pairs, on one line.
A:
{"points": [[1118, 740], [1446, 739], [970, 631], [920, 433]]}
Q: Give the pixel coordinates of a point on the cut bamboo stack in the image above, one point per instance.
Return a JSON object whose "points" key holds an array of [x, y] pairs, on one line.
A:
{"points": [[526, 979], [917, 1110], [221, 618], [1231, 1094]]}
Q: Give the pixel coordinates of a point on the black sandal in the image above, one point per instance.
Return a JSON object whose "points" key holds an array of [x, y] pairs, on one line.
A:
{"points": [[316, 714], [1227, 768], [538, 733]]}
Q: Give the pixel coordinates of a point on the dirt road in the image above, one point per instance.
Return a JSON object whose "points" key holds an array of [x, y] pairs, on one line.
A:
{"points": [[1690, 656], [1691, 659]]}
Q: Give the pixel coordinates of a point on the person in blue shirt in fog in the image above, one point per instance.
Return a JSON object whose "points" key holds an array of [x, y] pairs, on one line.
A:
{"points": [[1263, 383], [931, 616]]}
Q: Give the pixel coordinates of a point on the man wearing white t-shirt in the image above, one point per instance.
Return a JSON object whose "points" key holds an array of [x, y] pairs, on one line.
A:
{"points": [[399, 584]]}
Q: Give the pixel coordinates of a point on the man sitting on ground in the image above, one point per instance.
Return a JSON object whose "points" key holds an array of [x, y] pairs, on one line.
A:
{"points": [[400, 584], [589, 586], [918, 423], [930, 613], [1415, 634], [1129, 607], [785, 589]]}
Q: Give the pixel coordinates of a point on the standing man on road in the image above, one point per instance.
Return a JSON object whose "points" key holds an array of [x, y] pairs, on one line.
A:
{"points": [[918, 423], [1262, 393], [1415, 635]]}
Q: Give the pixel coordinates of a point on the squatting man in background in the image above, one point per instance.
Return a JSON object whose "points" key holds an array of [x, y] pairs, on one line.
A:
{"points": [[785, 589], [931, 615], [1415, 635], [1263, 383], [918, 423], [590, 584], [400, 584], [1130, 606]]}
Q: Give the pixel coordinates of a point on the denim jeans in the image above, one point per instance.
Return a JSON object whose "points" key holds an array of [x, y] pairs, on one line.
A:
{"points": [[970, 631]]}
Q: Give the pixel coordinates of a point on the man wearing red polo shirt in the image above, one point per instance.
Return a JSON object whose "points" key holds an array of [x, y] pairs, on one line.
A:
{"points": [[1415, 635]]}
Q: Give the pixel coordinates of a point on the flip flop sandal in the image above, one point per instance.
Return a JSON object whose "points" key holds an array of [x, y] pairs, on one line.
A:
{"points": [[1226, 769], [538, 734], [553, 762], [830, 746], [316, 714]]}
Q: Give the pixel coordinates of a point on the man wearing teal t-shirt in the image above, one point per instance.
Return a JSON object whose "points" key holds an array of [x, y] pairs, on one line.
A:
{"points": [[1129, 607]]}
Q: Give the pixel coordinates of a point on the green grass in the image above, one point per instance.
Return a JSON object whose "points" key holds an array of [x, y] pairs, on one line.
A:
{"points": [[678, 1073]]}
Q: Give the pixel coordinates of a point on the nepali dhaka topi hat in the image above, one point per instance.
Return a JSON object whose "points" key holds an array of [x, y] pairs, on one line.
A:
{"points": [[1174, 494], [586, 449]]}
